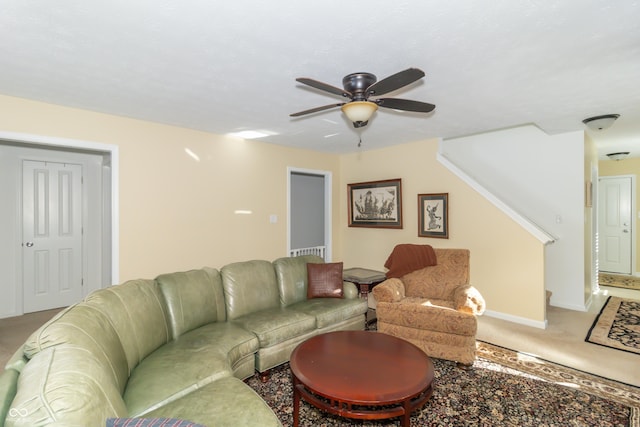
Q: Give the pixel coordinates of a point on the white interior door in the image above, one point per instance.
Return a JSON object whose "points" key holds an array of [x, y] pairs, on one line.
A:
{"points": [[615, 224], [52, 234]]}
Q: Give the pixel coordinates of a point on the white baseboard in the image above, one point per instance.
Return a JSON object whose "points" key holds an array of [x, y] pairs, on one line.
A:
{"points": [[589, 302], [570, 306], [517, 319]]}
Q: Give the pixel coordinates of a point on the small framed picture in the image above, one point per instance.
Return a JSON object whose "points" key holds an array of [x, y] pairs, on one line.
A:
{"points": [[376, 204], [433, 215]]}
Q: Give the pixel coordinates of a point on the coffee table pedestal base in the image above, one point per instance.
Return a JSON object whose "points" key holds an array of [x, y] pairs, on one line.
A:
{"points": [[402, 409]]}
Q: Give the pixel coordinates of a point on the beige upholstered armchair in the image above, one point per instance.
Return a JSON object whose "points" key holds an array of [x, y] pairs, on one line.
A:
{"points": [[433, 307]]}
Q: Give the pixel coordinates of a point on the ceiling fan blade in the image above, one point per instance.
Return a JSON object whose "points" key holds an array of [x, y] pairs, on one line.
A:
{"points": [[405, 104], [323, 86], [315, 110], [395, 81]]}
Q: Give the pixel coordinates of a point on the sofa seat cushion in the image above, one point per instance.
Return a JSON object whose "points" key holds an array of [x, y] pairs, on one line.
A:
{"points": [[195, 359], [66, 386], [277, 325], [329, 311], [226, 402]]}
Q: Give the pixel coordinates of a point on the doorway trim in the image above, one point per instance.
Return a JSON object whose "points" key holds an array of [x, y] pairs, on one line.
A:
{"points": [[328, 184], [98, 148]]}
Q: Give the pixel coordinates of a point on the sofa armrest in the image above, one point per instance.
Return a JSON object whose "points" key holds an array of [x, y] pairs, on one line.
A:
{"points": [[391, 290], [427, 317], [17, 361], [8, 390], [468, 299], [350, 290]]}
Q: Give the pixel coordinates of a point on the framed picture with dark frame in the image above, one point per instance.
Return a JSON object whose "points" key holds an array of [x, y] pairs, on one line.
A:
{"points": [[433, 215], [376, 204]]}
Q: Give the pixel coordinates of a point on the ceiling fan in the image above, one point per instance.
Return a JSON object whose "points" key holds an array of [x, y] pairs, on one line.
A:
{"points": [[360, 87]]}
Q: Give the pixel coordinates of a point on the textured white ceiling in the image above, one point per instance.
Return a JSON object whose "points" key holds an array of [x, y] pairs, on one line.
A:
{"points": [[226, 66]]}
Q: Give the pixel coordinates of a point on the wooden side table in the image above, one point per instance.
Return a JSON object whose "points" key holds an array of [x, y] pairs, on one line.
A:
{"points": [[363, 278]]}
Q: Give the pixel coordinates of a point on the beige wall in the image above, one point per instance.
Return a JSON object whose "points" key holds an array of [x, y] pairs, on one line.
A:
{"points": [[507, 263], [177, 213], [630, 166]]}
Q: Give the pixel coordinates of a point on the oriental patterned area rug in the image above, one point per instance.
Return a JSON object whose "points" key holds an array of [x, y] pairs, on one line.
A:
{"points": [[618, 325], [504, 388], [619, 281]]}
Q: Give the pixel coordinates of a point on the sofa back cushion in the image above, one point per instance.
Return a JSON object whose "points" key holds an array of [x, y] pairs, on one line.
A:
{"points": [[291, 273], [192, 299], [135, 310], [249, 287], [439, 281], [84, 326], [65, 385]]}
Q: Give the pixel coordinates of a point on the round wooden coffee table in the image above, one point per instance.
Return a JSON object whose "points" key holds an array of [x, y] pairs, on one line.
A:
{"points": [[360, 374]]}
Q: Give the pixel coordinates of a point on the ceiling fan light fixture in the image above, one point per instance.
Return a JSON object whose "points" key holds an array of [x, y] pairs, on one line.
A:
{"points": [[601, 122], [359, 112], [618, 156]]}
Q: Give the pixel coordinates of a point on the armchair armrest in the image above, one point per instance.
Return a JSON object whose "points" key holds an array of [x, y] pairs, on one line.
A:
{"points": [[391, 290], [427, 317], [468, 299]]}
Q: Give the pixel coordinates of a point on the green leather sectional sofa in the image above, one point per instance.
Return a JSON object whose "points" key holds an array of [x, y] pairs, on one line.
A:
{"points": [[178, 346]]}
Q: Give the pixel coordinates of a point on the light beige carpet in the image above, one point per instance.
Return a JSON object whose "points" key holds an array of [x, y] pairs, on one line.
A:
{"points": [[563, 375], [563, 342], [618, 325], [619, 281]]}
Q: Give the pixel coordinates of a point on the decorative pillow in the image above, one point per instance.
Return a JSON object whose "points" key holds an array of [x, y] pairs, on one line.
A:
{"points": [[324, 280], [149, 422]]}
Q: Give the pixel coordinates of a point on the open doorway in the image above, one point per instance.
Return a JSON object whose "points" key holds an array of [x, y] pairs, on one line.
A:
{"points": [[309, 212]]}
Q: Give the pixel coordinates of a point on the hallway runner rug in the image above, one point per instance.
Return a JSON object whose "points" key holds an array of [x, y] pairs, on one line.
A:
{"points": [[618, 325], [504, 388], [619, 281]]}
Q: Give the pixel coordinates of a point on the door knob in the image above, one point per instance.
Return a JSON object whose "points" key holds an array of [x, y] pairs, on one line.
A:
{"points": [[29, 244], [625, 231]]}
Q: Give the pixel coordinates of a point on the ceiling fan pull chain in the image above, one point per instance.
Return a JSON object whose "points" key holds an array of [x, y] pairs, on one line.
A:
{"points": [[360, 142]]}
